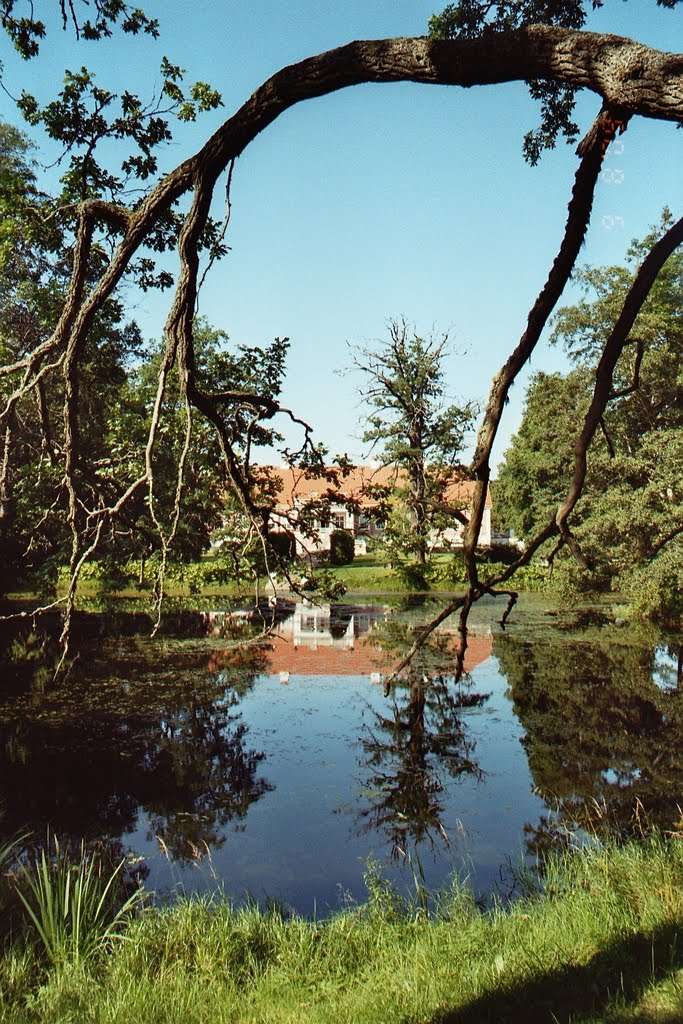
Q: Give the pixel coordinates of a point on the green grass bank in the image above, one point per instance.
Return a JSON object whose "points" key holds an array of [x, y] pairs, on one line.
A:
{"points": [[212, 577], [602, 943]]}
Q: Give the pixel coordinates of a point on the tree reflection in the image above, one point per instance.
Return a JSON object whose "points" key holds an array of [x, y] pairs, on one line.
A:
{"points": [[140, 725], [408, 756], [602, 710], [212, 778]]}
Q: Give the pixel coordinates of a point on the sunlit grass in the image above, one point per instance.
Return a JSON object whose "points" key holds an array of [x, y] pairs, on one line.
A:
{"points": [[599, 943]]}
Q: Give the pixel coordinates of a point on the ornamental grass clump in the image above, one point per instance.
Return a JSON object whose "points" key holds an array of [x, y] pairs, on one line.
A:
{"points": [[76, 906]]}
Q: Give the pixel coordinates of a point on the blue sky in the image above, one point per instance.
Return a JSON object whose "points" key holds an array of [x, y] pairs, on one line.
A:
{"points": [[381, 200]]}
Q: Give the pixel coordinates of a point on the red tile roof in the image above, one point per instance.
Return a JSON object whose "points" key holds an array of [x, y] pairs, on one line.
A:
{"points": [[296, 485], [359, 660]]}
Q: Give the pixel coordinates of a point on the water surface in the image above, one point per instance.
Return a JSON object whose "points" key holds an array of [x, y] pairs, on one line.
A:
{"points": [[278, 768]]}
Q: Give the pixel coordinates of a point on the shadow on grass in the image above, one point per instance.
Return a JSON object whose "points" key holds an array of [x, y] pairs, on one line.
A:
{"points": [[621, 971]]}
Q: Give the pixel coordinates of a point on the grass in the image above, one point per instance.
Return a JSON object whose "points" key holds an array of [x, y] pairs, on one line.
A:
{"points": [[366, 575], [601, 944]]}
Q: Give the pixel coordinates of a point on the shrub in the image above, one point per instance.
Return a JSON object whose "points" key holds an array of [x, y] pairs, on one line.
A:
{"points": [[342, 547], [533, 577], [504, 554]]}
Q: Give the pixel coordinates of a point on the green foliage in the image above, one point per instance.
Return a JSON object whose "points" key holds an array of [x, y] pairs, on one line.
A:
{"points": [[452, 575], [116, 388], [472, 19], [532, 481], [109, 576], [416, 431], [504, 554], [116, 396], [27, 31], [282, 544], [600, 942], [656, 589], [590, 694], [85, 114], [324, 583], [629, 518], [342, 547], [34, 262], [86, 119], [9, 850], [368, 576]]}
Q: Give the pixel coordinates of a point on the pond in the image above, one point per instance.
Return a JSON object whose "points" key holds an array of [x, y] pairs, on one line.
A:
{"points": [[277, 768]]}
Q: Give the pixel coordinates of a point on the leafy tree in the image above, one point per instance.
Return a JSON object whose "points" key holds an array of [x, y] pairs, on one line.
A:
{"points": [[532, 480], [630, 518], [27, 31], [116, 395], [35, 262], [205, 506], [416, 430]]}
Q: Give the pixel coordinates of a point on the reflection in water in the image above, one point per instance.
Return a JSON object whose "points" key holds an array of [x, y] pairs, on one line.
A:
{"points": [[212, 778], [406, 756], [602, 712], [194, 741], [324, 640], [137, 724]]}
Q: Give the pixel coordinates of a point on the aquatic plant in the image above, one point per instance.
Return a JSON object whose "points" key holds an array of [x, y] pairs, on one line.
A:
{"points": [[8, 853], [76, 906]]}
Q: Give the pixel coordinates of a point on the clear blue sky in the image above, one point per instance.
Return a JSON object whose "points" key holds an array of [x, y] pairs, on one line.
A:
{"points": [[381, 200]]}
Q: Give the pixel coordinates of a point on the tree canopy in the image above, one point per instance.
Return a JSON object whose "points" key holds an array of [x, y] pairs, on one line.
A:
{"points": [[411, 427], [629, 519], [27, 31]]}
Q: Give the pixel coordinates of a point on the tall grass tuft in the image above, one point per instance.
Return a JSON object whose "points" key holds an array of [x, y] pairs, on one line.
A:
{"points": [[74, 904], [9, 852]]}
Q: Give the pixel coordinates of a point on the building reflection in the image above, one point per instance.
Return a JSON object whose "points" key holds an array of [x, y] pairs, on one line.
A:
{"points": [[408, 753], [333, 640], [152, 730]]}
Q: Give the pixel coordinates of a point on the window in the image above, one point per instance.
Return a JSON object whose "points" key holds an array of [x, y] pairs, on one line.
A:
{"points": [[339, 520]]}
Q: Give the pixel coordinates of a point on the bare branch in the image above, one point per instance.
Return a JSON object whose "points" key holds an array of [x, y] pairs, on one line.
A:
{"points": [[666, 539], [635, 382], [613, 348], [629, 77]]}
